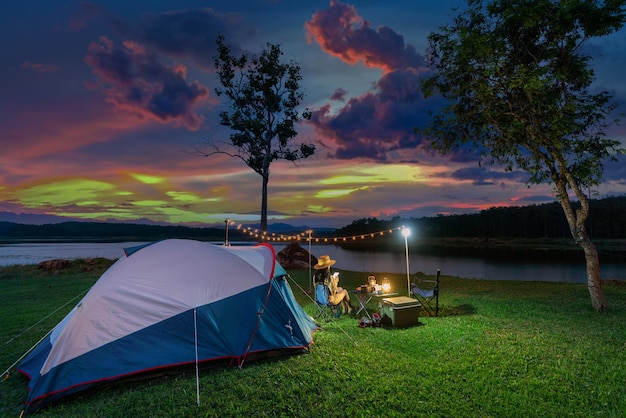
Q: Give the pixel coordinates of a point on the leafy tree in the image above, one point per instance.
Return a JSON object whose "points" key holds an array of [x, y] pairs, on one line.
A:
{"points": [[263, 96], [517, 84]]}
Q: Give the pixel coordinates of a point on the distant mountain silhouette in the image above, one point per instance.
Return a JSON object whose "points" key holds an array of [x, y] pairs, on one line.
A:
{"points": [[30, 218], [37, 219]]}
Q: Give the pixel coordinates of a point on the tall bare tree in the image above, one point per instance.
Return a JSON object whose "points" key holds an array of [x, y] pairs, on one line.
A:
{"points": [[517, 83], [263, 98]]}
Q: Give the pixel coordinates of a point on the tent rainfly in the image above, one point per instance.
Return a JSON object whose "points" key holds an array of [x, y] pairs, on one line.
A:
{"points": [[170, 304]]}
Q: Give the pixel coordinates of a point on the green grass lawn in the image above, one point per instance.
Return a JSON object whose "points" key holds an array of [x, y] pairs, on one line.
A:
{"points": [[498, 349]]}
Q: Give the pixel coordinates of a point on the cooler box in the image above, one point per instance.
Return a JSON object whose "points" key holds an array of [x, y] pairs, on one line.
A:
{"points": [[400, 311]]}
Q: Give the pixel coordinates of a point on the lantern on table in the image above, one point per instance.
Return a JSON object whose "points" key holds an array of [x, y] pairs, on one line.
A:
{"points": [[386, 285]]}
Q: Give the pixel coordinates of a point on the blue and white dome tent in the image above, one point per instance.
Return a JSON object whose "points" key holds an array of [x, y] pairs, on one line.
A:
{"points": [[171, 304]]}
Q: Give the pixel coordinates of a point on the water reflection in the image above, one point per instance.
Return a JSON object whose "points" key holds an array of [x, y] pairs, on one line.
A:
{"points": [[382, 262], [470, 268]]}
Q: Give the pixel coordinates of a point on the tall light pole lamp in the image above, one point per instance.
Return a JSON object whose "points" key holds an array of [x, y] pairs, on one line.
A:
{"points": [[406, 232], [309, 232]]}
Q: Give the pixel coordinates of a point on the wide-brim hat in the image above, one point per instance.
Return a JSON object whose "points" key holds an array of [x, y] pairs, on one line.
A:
{"points": [[324, 261]]}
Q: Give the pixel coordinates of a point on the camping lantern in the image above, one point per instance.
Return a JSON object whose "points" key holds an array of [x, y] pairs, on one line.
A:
{"points": [[386, 285], [371, 281]]}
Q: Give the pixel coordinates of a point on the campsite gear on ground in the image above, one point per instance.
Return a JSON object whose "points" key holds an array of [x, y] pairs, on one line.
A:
{"points": [[399, 312], [324, 261], [169, 305], [374, 321], [427, 293]]}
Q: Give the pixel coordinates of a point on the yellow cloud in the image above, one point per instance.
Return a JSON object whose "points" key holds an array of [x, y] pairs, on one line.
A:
{"points": [[88, 203], [144, 178], [121, 215], [373, 174], [63, 193], [188, 197], [338, 192], [150, 203], [319, 209], [183, 197]]}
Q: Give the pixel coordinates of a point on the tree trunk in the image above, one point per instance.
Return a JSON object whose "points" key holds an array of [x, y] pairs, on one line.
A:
{"points": [[264, 205], [594, 284], [576, 220]]}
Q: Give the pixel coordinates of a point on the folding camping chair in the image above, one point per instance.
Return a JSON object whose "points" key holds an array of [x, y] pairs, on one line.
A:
{"points": [[427, 293], [322, 292]]}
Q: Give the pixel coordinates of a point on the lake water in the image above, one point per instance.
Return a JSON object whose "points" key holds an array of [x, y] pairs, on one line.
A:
{"points": [[367, 262]]}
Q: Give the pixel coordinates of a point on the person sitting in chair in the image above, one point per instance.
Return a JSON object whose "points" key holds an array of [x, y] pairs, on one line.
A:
{"points": [[337, 294]]}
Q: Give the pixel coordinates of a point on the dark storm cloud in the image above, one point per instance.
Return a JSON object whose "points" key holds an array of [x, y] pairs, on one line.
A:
{"points": [[339, 95], [376, 123], [133, 77], [188, 33], [383, 120]]}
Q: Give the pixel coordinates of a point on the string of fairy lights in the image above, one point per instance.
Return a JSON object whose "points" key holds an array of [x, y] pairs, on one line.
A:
{"points": [[306, 235]]}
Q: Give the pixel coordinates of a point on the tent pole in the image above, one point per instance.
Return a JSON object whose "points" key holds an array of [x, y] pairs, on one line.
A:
{"points": [[195, 331], [310, 276]]}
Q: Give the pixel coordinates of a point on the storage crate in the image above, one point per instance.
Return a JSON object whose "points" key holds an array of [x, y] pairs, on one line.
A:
{"points": [[399, 312]]}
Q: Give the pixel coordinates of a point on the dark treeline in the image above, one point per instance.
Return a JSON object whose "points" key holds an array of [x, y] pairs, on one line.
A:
{"points": [[607, 221], [534, 233], [103, 231]]}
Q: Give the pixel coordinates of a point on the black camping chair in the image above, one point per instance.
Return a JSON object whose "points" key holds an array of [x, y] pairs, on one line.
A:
{"points": [[322, 302], [427, 293]]}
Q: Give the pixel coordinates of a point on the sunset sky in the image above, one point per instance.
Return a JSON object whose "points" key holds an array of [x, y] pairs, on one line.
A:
{"points": [[102, 104]]}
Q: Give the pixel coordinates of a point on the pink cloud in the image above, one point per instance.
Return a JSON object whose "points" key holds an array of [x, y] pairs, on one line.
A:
{"points": [[341, 32], [40, 131]]}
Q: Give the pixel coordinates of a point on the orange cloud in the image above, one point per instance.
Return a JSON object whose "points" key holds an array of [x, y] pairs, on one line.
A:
{"points": [[341, 32], [41, 131]]}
